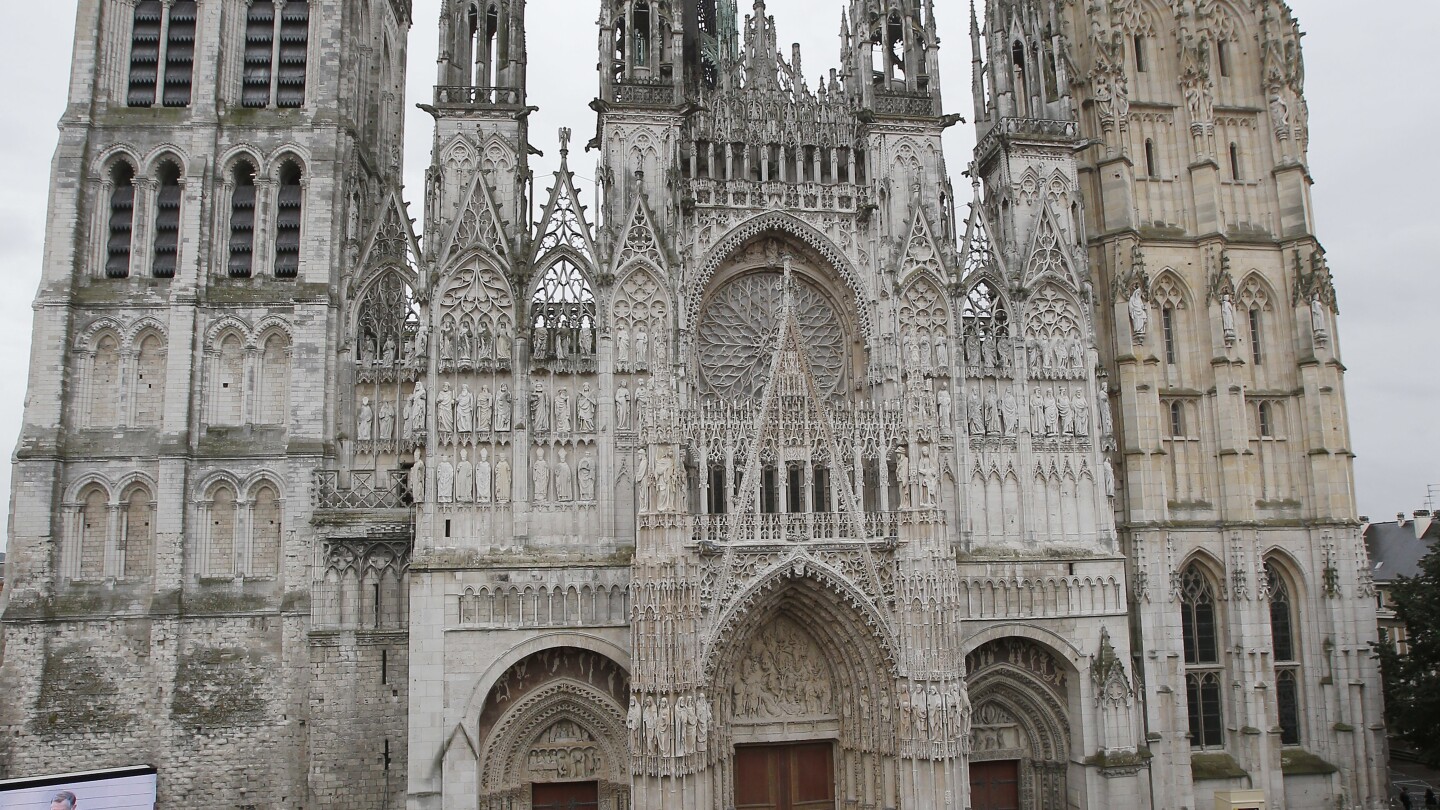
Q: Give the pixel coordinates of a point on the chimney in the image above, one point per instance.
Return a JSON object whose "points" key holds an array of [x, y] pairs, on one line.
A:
{"points": [[1423, 518]]}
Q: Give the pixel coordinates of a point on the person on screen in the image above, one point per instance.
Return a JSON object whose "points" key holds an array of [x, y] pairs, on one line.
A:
{"points": [[64, 800]]}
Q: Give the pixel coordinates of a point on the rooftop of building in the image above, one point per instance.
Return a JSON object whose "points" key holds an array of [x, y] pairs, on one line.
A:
{"points": [[1397, 547]]}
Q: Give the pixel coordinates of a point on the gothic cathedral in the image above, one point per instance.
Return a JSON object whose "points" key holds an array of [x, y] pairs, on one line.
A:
{"points": [[797, 469]]}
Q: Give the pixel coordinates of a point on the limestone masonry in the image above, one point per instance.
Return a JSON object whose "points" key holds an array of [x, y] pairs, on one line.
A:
{"points": [[797, 471]]}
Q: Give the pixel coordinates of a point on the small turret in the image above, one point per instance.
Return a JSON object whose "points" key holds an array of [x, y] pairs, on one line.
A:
{"points": [[893, 53], [482, 53]]}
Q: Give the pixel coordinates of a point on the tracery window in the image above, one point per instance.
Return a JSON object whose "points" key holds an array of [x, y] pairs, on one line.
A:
{"points": [[476, 330], [277, 45], [167, 222], [987, 332], [242, 221], [1201, 641], [389, 322], [562, 314], [1171, 301], [120, 226], [1282, 639], [1254, 300]]}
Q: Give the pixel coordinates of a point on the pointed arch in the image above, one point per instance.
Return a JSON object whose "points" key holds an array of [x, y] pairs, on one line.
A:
{"points": [[1049, 257], [478, 224], [979, 256], [136, 540], [640, 304]]}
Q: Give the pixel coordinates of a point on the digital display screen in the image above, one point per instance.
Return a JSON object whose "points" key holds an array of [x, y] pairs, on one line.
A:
{"points": [[124, 789]]}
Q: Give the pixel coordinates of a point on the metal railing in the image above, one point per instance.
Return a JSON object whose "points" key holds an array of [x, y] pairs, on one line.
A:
{"points": [[463, 96]]}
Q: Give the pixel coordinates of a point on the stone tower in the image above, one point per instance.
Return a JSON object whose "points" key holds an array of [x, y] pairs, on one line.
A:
{"points": [[216, 160]]}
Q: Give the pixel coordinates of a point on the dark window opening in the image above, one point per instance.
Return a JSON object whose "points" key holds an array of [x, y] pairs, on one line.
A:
{"points": [[1287, 700], [384, 667], [1235, 163], [167, 222], [717, 491], [492, 50], [1222, 57], [820, 486], [259, 54], [145, 52], [1202, 692], [1267, 426], [1150, 168], [1167, 322], [122, 221], [1257, 354], [1140, 62], [242, 222], [180, 53], [1282, 631], [1022, 90], [1197, 618], [769, 491], [795, 479], [642, 34], [1177, 420], [288, 212]]}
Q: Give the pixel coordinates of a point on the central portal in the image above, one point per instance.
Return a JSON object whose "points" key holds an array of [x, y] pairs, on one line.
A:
{"points": [[785, 777], [995, 785]]}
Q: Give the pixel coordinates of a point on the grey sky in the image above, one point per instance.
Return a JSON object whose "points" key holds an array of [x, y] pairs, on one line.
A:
{"points": [[1366, 80]]}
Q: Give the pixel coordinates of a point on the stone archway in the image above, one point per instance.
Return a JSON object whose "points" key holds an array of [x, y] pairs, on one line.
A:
{"points": [[1021, 694], [802, 667], [555, 718]]}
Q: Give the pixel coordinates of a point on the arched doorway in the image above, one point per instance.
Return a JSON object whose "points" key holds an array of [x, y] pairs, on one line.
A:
{"points": [[552, 735], [804, 691], [1020, 732]]}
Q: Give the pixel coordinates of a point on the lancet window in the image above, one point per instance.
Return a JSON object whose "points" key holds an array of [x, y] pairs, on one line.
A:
{"points": [[277, 45], [1255, 303], [289, 215], [1171, 301], [273, 396], [162, 53], [149, 385], [93, 535], [242, 221], [1200, 626], [137, 534], [121, 221], [1287, 658], [562, 316], [166, 248]]}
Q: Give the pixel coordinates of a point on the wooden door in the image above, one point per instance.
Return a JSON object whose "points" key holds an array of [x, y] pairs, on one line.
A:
{"points": [[785, 777], [566, 796], [995, 785]]}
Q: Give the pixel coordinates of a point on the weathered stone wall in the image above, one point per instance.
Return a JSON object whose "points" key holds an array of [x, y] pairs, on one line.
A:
{"points": [[357, 715]]}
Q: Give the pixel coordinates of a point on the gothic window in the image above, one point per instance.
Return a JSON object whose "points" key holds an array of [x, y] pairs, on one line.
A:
{"points": [[274, 380], [642, 34], [137, 535], [716, 493], [1171, 301], [1199, 625], [987, 328], [820, 488], [288, 216], [277, 46], [1141, 60], [1254, 301], [1167, 324], [94, 531], [487, 53], [167, 222], [265, 522], [1222, 57], [769, 490], [229, 385], [221, 525], [476, 329], [121, 220], [1282, 639], [1177, 419], [388, 322], [149, 387], [1235, 163], [1257, 345], [145, 52], [105, 382], [925, 319], [242, 221], [1022, 88], [1265, 417], [1150, 167], [562, 314]]}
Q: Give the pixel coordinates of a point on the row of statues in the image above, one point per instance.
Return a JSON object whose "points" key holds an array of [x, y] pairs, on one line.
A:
{"points": [[934, 714], [485, 482], [1056, 411], [665, 729], [562, 416], [636, 351]]}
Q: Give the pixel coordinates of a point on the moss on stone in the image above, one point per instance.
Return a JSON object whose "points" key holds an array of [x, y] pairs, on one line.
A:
{"points": [[1299, 762], [218, 687], [1216, 765]]}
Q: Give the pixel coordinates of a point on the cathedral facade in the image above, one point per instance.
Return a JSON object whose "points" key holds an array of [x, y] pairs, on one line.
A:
{"points": [[799, 470]]}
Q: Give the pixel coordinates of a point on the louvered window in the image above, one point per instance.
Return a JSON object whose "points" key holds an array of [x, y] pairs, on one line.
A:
{"points": [[180, 53], [287, 230], [277, 47], [145, 52], [294, 50], [122, 220], [259, 53], [167, 223], [242, 222]]}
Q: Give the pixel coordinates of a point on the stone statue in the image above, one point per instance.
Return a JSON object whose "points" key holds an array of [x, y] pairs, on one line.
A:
{"points": [[465, 412], [447, 340], [1052, 413], [484, 409], [416, 418], [1107, 420], [942, 353], [540, 478], [1109, 479], [445, 410], [946, 405], [564, 478], [1139, 316], [365, 421], [503, 343], [622, 407], [539, 410], [976, 413], [929, 479], [585, 409], [622, 348], [465, 479], [662, 348], [444, 481], [503, 480], [563, 413], [387, 422], [1227, 319], [1037, 412], [642, 401], [972, 350], [1067, 415], [586, 474], [912, 352], [642, 348], [1318, 322], [422, 345], [1081, 408], [417, 479], [389, 353], [483, 482], [642, 482], [465, 345], [1010, 413], [992, 414], [504, 409], [903, 477], [665, 481], [368, 350]]}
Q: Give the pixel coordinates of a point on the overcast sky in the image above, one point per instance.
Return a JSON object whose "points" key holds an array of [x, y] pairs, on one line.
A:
{"points": [[1372, 124]]}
